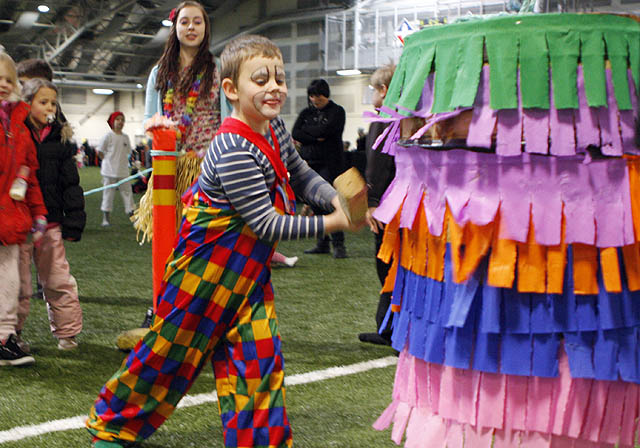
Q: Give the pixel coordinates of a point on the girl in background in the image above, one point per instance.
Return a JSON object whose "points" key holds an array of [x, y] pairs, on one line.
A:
{"points": [[64, 199], [183, 92], [21, 206], [184, 87]]}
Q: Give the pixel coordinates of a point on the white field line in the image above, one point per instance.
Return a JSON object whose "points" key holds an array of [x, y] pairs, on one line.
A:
{"points": [[23, 432]]}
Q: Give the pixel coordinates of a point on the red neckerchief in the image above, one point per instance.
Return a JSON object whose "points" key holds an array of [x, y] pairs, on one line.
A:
{"points": [[235, 126]]}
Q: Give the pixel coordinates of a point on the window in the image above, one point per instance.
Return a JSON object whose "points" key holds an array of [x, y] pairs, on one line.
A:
{"points": [[307, 52], [286, 53], [277, 32], [310, 28], [71, 95], [304, 77]]}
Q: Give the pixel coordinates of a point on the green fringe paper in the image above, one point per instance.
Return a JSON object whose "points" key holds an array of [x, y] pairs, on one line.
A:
{"points": [[534, 73], [536, 43], [592, 63]]}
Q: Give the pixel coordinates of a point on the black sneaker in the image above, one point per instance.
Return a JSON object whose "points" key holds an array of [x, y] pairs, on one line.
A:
{"points": [[340, 252], [317, 250], [12, 355], [374, 338], [24, 345], [148, 319], [39, 293]]}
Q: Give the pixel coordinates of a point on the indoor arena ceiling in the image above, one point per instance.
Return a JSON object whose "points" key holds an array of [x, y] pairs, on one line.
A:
{"points": [[88, 42]]}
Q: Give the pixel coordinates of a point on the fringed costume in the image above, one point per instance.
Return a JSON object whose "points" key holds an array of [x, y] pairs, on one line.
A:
{"points": [[514, 226]]}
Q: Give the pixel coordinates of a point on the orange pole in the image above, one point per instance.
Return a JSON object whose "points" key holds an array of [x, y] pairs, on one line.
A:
{"points": [[164, 203]]}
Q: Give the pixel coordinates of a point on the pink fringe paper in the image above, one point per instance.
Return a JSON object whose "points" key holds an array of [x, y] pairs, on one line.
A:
{"points": [[450, 408]]}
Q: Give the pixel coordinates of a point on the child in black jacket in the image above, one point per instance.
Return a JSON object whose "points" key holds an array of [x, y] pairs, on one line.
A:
{"points": [[64, 199]]}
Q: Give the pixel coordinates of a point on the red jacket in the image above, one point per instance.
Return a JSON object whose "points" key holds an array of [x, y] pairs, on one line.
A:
{"points": [[17, 148]]}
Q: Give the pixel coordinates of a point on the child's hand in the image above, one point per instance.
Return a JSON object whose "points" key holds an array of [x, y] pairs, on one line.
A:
{"points": [[158, 121], [338, 220], [372, 222], [38, 229]]}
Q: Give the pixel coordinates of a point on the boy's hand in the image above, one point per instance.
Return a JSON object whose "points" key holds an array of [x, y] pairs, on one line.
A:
{"points": [[338, 220]]}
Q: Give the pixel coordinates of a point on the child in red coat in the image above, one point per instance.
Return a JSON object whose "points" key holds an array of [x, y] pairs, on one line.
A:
{"points": [[22, 209]]}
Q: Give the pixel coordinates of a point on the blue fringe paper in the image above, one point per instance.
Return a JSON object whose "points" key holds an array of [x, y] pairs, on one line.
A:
{"points": [[475, 326]]}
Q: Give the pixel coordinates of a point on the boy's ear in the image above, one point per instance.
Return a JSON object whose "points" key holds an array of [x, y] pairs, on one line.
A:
{"points": [[384, 90], [229, 89]]}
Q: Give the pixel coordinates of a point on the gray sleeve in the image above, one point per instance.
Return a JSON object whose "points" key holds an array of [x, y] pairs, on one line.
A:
{"points": [[233, 163]]}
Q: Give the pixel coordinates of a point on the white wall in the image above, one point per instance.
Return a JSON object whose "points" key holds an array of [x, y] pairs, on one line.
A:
{"points": [[90, 120], [350, 92]]}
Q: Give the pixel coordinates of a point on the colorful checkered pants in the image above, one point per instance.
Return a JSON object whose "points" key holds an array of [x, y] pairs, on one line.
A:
{"points": [[217, 303]]}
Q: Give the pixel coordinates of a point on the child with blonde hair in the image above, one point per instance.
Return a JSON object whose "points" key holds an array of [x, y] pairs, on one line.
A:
{"points": [[22, 209], [216, 302], [60, 184]]}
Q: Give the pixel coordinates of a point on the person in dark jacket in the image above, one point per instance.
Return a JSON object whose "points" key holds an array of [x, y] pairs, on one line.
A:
{"points": [[379, 173], [319, 128], [64, 199]]}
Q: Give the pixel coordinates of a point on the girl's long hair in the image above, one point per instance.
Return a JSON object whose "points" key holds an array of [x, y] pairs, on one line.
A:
{"points": [[169, 63]]}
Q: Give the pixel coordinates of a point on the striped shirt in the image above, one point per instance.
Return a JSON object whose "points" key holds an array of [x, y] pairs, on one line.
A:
{"points": [[236, 172]]}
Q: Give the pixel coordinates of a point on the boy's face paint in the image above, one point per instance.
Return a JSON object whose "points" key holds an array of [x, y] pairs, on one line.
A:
{"points": [[6, 83], [43, 105], [262, 90], [190, 26]]}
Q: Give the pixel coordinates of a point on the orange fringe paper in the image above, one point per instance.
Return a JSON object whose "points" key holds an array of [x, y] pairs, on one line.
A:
{"points": [[540, 269]]}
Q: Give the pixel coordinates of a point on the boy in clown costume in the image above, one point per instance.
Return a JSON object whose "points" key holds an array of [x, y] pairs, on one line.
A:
{"points": [[216, 301]]}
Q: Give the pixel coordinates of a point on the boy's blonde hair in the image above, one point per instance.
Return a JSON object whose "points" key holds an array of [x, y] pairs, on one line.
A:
{"points": [[382, 76], [242, 49], [10, 65]]}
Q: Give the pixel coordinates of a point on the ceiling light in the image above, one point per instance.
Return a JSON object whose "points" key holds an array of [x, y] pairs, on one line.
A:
{"points": [[349, 72], [43, 8], [167, 22], [102, 91]]}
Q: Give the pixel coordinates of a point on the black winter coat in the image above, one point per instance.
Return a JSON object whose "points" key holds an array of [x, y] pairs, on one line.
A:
{"points": [[326, 123], [60, 182]]}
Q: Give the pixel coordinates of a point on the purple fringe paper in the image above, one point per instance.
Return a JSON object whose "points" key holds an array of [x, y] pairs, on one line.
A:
{"points": [[594, 197], [559, 132]]}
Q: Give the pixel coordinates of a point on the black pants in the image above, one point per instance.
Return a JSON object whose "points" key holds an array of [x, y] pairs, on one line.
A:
{"points": [[384, 302]]}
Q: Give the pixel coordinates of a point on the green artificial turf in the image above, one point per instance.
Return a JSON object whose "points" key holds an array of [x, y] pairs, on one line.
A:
{"points": [[322, 304]]}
